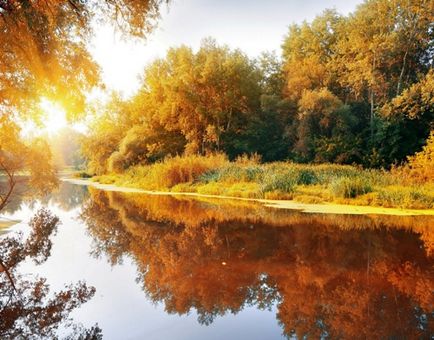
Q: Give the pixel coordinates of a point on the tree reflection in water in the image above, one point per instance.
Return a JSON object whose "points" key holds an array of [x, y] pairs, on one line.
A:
{"points": [[336, 276], [28, 310]]}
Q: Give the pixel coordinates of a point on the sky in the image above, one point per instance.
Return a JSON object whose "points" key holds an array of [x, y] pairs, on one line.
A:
{"points": [[253, 26]]}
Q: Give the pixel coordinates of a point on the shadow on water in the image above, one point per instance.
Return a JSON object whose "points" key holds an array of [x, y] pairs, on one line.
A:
{"points": [[330, 276]]}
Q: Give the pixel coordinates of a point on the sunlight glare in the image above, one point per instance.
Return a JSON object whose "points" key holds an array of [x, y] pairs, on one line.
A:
{"points": [[54, 116]]}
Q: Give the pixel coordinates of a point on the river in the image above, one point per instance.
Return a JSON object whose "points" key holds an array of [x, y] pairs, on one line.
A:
{"points": [[139, 266]]}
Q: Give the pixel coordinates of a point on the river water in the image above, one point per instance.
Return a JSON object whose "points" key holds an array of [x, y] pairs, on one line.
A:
{"points": [[142, 266]]}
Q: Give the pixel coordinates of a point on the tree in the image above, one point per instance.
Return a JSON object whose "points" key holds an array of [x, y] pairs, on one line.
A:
{"points": [[43, 47], [373, 56], [316, 115], [307, 51], [421, 165], [143, 144], [27, 309], [383, 45], [17, 156], [409, 118], [205, 95]]}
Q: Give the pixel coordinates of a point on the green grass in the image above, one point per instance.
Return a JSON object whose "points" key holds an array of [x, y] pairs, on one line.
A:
{"points": [[346, 187], [247, 178]]}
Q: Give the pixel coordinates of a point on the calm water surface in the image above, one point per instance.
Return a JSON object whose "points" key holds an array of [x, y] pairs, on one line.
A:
{"points": [[158, 267]]}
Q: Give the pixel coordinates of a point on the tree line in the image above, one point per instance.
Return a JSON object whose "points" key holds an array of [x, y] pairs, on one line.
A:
{"points": [[354, 89]]}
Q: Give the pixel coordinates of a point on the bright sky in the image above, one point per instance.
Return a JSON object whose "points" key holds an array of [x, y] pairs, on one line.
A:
{"points": [[251, 25]]}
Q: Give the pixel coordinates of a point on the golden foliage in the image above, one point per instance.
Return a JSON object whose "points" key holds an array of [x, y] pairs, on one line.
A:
{"points": [[421, 165]]}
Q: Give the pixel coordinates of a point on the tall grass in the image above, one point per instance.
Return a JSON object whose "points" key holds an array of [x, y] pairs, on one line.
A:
{"points": [[247, 177], [173, 171], [346, 187]]}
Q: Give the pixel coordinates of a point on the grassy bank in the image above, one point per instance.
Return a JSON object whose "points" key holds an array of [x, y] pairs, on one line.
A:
{"points": [[247, 178]]}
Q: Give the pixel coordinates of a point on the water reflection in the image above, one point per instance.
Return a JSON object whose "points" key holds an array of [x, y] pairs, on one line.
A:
{"points": [[330, 276], [28, 308], [67, 196]]}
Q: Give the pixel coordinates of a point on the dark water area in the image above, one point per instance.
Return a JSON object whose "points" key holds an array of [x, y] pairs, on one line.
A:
{"points": [[135, 266]]}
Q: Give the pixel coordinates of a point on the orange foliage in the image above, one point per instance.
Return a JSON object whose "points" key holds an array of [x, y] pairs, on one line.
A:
{"points": [[421, 165]]}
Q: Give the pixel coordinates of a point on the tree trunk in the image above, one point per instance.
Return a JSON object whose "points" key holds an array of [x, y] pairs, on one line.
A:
{"points": [[401, 75], [371, 120], [11, 182]]}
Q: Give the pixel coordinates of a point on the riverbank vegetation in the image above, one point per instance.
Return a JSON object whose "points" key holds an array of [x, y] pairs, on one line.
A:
{"points": [[248, 178], [343, 115]]}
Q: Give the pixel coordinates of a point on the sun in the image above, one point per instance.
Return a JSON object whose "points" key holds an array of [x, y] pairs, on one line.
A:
{"points": [[54, 116]]}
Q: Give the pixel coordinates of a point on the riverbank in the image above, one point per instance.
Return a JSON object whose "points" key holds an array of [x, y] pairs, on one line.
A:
{"points": [[301, 183], [324, 208]]}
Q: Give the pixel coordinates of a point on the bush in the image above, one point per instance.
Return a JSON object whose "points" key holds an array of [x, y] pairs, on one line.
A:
{"points": [[283, 182], [410, 198], [421, 165], [278, 195], [82, 174], [307, 177], [247, 178], [347, 187]]}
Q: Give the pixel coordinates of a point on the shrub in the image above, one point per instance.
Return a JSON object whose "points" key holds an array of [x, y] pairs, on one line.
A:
{"points": [[421, 165], [307, 177], [244, 190], [245, 159], [279, 181], [278, 195], [82, 174], [347, 187], [411, 198], [233, 173]]}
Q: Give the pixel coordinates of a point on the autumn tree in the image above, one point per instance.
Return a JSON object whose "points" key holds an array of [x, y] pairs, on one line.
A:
{"points": [[408, 120], [307, 51], [316, 116], [44, 55], [43, 47], [206, 96], [370, 57], [382, 48]]}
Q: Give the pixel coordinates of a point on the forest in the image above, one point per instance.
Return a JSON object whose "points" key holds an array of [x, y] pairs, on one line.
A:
{"points": [[354, 89], [346, 107]]}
